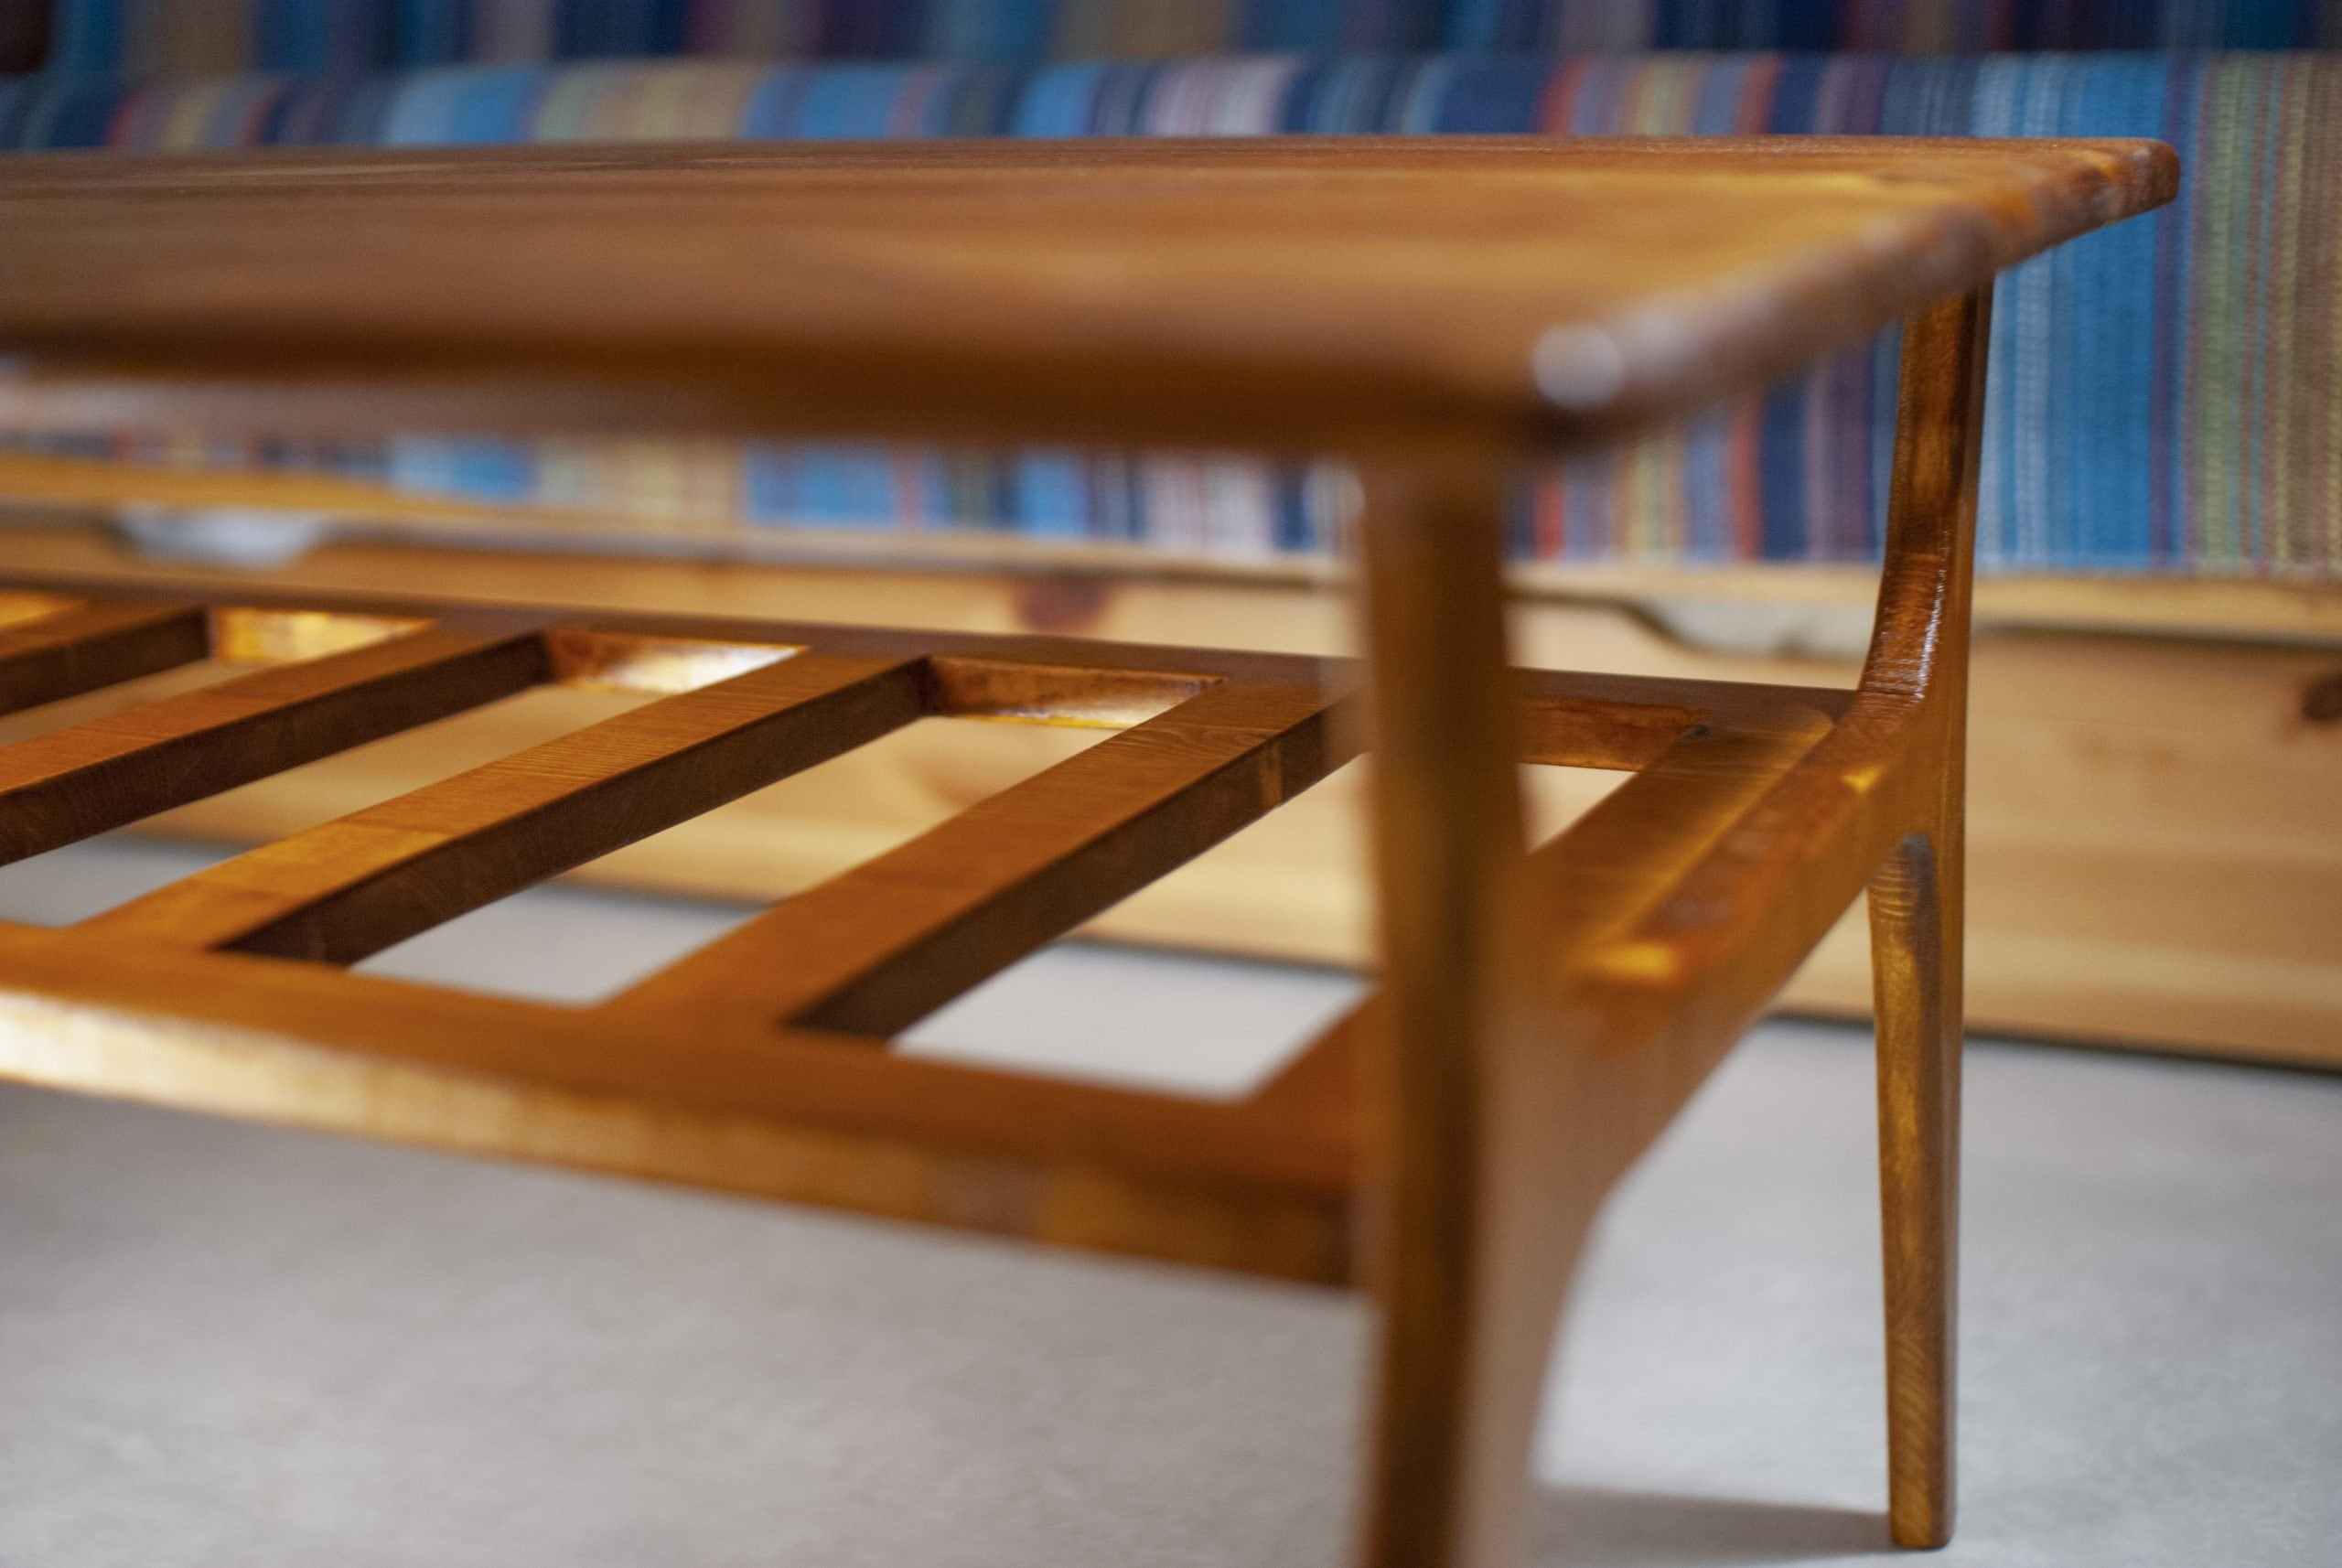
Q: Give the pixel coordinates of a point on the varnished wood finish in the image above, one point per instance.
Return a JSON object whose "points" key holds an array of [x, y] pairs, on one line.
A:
{"points": [[1456, 1010], [699, 1074], [1291, 292], [73, 782], [94, 646], [877, 948], [1524, 1082], [1920, 654], [1434, 311]]}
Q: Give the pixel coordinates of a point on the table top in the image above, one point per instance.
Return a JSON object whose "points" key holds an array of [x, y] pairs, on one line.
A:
{"points": [[1296, 292]]}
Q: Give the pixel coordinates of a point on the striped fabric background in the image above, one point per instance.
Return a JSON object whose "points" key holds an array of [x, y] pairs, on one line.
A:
{"points": [[182, 37], [2165, 397]]}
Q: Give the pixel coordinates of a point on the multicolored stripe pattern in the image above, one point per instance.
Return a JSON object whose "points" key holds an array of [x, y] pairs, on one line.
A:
{"points": [[185, 36], [2165, 396]]}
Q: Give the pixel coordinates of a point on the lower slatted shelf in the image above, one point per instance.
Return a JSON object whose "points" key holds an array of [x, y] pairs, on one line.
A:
{"points": [[758, 1064]]}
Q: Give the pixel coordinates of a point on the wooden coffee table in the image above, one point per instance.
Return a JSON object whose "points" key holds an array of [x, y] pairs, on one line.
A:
{"points": [[1430, 313]]}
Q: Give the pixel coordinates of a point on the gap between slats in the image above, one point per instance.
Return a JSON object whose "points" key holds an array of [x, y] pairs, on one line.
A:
{"points": [[86, 647], [70, 783], [350, 888]]}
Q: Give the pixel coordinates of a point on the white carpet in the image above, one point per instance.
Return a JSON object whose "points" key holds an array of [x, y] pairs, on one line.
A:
{"points": [[222, 1345]]}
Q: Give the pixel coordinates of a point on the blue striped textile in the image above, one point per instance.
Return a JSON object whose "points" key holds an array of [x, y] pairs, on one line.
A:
{"points": [[177, 37]]}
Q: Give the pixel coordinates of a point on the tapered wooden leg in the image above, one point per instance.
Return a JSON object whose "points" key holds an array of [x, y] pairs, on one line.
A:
{"points": [[1920, 652], [1914, 923], [1477, 1230]]}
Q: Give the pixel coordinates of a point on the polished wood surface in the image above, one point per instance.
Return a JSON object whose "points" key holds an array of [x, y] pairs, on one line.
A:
{"points": [[351, 887], [735, 1096], [1433, 311], [1293, 292], [1919, 655]]}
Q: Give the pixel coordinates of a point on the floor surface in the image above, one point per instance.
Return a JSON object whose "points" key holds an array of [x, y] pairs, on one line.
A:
{"points": [[223, 1345]]}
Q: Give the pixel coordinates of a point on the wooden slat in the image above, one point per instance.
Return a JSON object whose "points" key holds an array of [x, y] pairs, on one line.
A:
{"points": [[1578, 732], [1625, 853], [747, 1110], [70, 783], [90, 646], [873, 950], [351, 887]]}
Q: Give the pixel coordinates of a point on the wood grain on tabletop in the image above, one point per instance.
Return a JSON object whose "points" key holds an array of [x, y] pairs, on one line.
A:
{"points": [[1269, 291]]}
